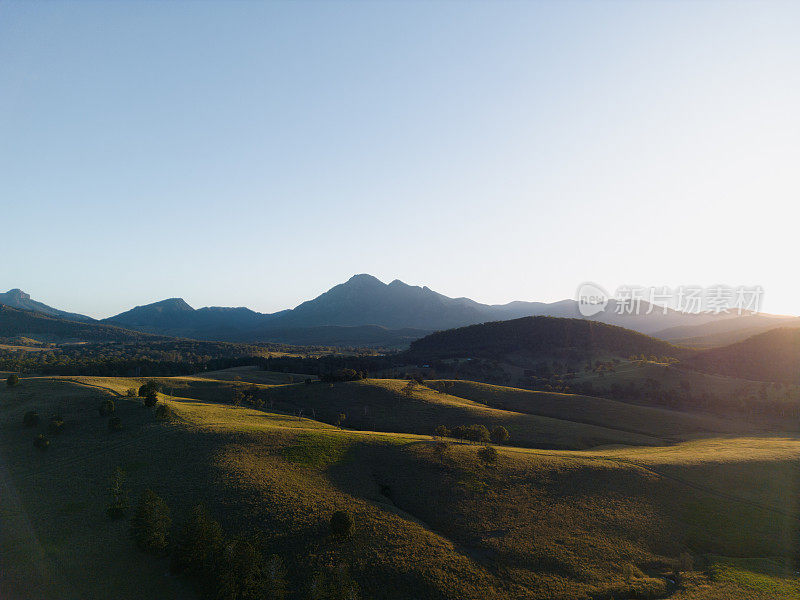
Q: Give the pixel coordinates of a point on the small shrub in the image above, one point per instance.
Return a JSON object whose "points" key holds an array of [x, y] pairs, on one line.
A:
{"points": [[31, 419], [12, 380], [115, 424], [341, 524], [151, 522], [41, 442], [151, 398], [488, 454], [106, 408], [55, 426], [163, 412], [132, 393]]}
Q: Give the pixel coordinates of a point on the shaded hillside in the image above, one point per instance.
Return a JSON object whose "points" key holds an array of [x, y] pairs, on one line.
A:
{"points": [[770, 356], [571, 339], [14, 322], [722, 332], [16, 298]]}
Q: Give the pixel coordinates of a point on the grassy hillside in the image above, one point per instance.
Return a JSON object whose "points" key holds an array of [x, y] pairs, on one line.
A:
{"points": [[429, 523], [574, 339], [657, 422]]}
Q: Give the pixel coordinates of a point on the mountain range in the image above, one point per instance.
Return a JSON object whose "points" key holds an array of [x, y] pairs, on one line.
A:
{"points": [[364, 311]]}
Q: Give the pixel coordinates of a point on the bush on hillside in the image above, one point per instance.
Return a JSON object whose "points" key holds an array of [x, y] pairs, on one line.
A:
{"points": [[131, 392], [41, 442], [31, 419], [118, 495], [199, 541], [147, 387], [341, 524], [163, 412], [342, 375], [56, 425], [12, 380], [106, 408], [151, 522], [488, 454], [151, 398], [239, 572]]}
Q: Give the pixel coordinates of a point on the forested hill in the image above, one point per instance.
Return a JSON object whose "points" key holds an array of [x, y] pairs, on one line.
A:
{"points": [[15, 322], [771, 356], [539, 336]]}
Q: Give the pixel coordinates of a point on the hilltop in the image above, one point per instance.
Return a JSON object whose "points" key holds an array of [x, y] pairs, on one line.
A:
{"points": [[532, 338]]}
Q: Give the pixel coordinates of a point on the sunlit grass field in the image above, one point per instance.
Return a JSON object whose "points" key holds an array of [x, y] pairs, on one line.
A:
{"points": [[609, 516]]}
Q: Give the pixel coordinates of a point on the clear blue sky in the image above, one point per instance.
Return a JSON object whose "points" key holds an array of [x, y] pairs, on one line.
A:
{"points": [[245, 153]]}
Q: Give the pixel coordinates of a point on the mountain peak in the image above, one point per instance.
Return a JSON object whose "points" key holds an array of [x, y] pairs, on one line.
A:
{"points": [[364, 279], [176, 304], [16, 294]]}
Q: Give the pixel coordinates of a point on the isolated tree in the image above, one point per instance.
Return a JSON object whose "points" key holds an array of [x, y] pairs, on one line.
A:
{"points": [[340, 418], [12, 380], [118, 495], [341, 524], [488, 454], [146, 387], [131, 392], [198, 541], [31, 419], [106, 408], [442, 431], [151, 522], [151, 398], [500, 435]]}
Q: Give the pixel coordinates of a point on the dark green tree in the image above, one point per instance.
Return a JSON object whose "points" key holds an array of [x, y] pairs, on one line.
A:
{"points": [[12, 380], [198, 542], [118, 495], [500, 435], [151, 522], [341, 524], [31, 419], [106, 408], [151, 398]]}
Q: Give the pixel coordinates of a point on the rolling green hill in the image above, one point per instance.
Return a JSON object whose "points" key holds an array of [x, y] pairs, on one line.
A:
{"points": [[428, 522]]}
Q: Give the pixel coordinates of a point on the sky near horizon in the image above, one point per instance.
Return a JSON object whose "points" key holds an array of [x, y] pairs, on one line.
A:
{"points": [[258, 153]]}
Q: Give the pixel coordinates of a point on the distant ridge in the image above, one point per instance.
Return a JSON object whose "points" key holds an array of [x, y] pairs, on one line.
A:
{"points": [[364, 311], [16, 298]]}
